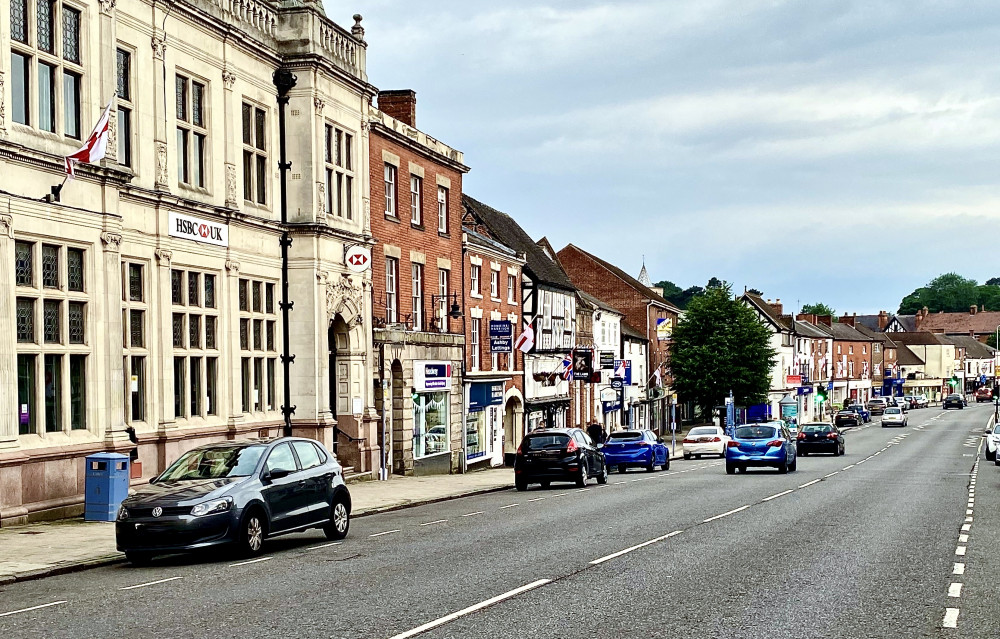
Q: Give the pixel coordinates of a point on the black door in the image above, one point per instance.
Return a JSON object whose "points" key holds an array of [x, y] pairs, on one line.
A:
{"points": [[282, 494], [314, 483]]}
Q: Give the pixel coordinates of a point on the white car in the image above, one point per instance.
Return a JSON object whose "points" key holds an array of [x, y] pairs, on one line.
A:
{"points": [[705, 440], [992, 443], [893, 416]]}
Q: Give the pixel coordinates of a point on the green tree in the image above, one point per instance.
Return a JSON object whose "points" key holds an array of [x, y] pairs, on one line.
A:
{"points": [[818, 308], [720, 345], [993, 281], [950, 293], [676, 296]]}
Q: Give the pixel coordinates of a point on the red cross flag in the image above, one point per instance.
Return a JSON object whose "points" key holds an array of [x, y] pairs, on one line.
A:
{"points": [[95, 147], [526, 340]]}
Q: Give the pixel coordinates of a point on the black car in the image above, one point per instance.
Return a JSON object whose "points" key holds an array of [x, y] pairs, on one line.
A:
{"points": [[847, 418], [820, 437], [953, 401], [236, 493], [558, 454]]}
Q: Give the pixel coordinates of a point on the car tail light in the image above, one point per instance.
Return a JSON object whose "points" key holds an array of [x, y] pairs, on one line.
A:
{"points": [[732, 444], [801, 436], [775, 442], [717, 439], [571, 447], [520, 450], [832, 436], [688, 441], [643, 445]]}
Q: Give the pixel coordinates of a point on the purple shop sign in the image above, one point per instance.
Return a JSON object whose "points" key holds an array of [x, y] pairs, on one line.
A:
{"points": [[25, 416]]}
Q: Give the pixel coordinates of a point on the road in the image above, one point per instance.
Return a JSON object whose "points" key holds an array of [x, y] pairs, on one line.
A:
{"points": [[878, 543]]}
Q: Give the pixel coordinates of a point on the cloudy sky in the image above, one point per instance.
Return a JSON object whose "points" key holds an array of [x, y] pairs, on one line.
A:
{"points": [[818, 150]]}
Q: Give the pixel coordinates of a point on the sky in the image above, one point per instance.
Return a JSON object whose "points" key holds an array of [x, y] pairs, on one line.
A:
{"points": [[819, 151]]}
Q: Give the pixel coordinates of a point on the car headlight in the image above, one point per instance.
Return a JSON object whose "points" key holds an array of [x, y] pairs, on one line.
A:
{"points": [[122, 513], [212, 507]]}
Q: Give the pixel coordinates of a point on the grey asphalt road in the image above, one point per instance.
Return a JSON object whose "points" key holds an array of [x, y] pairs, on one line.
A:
{"points": [[857, 546]]}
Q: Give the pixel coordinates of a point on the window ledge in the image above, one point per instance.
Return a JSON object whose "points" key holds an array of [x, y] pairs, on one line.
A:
{"points": [[392, 218], [475, 295]]}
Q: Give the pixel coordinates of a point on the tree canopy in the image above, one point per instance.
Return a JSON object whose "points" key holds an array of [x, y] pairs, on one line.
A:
{"points": [[677, 296], [952, 293], [721, 345], [818, 308]]}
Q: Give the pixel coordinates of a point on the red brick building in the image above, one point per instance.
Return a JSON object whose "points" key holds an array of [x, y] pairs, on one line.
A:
{"points": [[494, 381], [418, 332]]}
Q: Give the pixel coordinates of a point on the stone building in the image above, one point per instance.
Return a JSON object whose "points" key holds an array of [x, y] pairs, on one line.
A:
{"points": [[150, 295], [416, 190]]}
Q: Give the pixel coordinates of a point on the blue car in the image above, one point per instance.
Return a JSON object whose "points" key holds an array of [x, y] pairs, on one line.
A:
{"points": [[755, 445], [640, 448]]}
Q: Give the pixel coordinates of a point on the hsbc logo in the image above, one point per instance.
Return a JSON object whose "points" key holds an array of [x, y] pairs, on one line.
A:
{"points": [[198, 230], [358, 259]]}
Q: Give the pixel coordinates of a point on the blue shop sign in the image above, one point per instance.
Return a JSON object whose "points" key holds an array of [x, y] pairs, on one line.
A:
{"points": [[485, 394], [612, 406], [804, 390], [501, 336]]}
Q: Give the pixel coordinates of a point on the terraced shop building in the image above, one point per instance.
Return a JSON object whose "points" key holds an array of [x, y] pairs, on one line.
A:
{"points": [[149, 296]]}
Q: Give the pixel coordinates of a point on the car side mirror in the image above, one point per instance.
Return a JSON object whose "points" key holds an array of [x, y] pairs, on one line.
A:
{"points": [[277, 473], [659, 440], [600, 446], [152, 479]]}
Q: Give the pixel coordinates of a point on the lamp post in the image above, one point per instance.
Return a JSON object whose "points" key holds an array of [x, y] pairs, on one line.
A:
{"points": [[284, 81]]}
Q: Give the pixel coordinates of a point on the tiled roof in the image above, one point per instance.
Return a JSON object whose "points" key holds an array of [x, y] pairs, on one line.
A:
{"points": [[982, 323], [538, 265], [974, 349], [848, 333], [873, 334], [918, 338], [645, 291], [596, 302], [908, 322], [810, 330], [783, 322], [629, 331], [906, 357], [868, 321], [481, 240]]}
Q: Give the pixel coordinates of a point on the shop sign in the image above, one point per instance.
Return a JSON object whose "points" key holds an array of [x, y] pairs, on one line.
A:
{"points": [[358, 259], [428, 376], [617, 382], [612, 406], [804, 390], [623, 369], [793, 380], [483, 395], [607, 360], [25, 415], [199, 230], [501, 336], [664, 329]]}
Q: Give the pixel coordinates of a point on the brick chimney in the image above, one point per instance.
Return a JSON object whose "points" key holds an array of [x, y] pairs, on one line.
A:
{"points": [[826, 320], [776, 306], [400, 104], [848, 319], [806, 317], [973, 309], [883, 320]]}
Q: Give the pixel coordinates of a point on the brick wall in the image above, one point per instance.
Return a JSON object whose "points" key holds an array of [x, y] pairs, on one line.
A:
{"points": [[486, 306]]}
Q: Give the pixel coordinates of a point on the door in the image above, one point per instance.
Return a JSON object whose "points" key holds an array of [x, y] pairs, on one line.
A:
{"points": [[592, 456], [314, 482], [282, 494]]}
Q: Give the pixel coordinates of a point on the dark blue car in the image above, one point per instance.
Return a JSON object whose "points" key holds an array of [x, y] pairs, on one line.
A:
{"points": [[638, 448], [757, 445]]}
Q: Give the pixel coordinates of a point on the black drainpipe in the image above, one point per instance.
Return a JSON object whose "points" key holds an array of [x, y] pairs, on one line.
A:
{"points": [[284, 81]]}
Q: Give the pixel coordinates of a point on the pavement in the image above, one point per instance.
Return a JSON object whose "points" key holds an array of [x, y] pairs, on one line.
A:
{"points": [[891, 540]]}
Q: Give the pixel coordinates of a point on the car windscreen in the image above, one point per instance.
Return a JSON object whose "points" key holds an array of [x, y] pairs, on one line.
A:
{"points": [[703, 431], [625, 436], [892, 411], [214, 463], [545, 442], [756, 432], [817, 428]]}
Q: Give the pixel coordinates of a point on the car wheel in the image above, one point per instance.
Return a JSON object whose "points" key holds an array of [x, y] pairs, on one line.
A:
{"points": [[652, 463], [697, 456], [836, 452], [603, 477], [253, 529], [783, 468], [138, 558], [997, 460], [795, 465], [621, 469], [340, 520], [990, 456], [730, 469], [687, 455], [581, 480], [520, 484], [666, 462]]}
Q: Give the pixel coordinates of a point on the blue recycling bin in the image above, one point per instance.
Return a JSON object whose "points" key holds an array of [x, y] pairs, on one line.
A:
{"points": [[106, 486]]}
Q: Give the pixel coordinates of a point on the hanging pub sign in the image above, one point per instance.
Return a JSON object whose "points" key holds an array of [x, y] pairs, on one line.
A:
{"points": [[501, 336], [607, 360]]}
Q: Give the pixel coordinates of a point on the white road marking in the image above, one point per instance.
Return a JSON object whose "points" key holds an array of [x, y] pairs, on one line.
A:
{"points": [[778, 495], [619, 482], [14, 612], [966, 527], [388, 532], [151, 583], [959, 569], [968, 512], [252, 561], [848, 467], [583, 490], [960, 550], [508, 506], [636, 547], [536, 499], [950, 618], [963, 539], [968, 519], [336, 543], [466, 611], [478, 512], [733, 511], [809, 483], [558, 495], [430, 523], [836, 472]]}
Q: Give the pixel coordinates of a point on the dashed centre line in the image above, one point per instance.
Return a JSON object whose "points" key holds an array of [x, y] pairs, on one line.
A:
{"points": [[637, 547], [778, 495], [726, 514], [810, 483], [14, 612], [950, 618], [959, 569], [253, 561], [151, 583], [387, 532], [431, 523]]}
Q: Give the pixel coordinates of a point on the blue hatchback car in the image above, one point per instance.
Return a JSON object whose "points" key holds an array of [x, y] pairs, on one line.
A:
{"points": [[755, 445], [640, 448]]}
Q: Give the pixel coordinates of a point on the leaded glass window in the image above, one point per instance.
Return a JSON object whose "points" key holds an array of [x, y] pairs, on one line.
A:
{"points": [[74, 269], [44, 13], [256, 297], [51, 321], [25, 320], [194, 289], [209, 331], [269, 298], [270, 336], [18, 24], [23, 263], [71, 34], [177, 287], [194, 331], [258, 335], [135, 282], [209, 291], [124, 75], [178, 330], [50, 266], [245, 334], [76, 322], [197, 107], [244, 303], [135, 327]]}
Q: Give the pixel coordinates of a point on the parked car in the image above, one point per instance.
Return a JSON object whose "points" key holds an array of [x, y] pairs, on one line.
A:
{"points": [[921, 401], [877, 405], [863, 413], [641, 448], [558, 454], [235, 493], [899, 402], [755, 445], [953, 401], [983, 394], [847, 417], [705, 440], [819, 437], [992, 436], [893, 416]]}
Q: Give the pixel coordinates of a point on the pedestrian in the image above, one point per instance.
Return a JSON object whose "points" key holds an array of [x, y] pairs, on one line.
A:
{"points": [[604, 435], [594, 431]]}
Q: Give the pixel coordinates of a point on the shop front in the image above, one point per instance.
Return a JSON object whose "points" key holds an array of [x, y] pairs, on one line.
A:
{"points": [[550, 413], [484, 426]]}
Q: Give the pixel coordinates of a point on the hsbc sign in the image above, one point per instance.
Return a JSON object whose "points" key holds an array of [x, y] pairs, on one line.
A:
{"points": [[358, 259], [193, 228]]}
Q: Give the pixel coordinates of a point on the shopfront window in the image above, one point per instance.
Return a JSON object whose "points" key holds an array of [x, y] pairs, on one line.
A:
{"points": [[475, 434], [430, 424]]}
